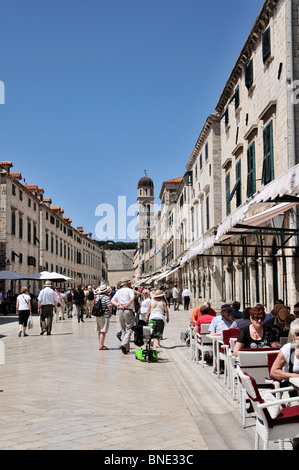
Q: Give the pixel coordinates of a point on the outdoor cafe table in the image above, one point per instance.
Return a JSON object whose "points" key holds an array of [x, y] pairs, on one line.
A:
{"points": [[214, 338]]}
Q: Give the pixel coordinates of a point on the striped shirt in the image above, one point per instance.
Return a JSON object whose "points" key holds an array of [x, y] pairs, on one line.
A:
{"points": [[106, 302]]}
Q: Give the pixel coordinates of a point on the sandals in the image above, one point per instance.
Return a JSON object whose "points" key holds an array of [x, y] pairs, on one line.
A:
{"points": [[101, 348]]}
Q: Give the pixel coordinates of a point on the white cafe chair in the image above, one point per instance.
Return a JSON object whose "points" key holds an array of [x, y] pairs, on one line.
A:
{"points": [[203, 344], [274, 421], [255, 363]]}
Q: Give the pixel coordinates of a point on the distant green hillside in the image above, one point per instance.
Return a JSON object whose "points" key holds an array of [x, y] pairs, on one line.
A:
{"points": [[111, 245]]}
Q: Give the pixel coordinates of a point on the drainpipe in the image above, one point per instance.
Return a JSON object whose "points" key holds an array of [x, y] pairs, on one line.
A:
{"points": [[292, 155]]}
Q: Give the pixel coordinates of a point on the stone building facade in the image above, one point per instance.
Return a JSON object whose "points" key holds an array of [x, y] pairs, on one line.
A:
{"points": [[120, 264], [236, 208], [36, 236]]}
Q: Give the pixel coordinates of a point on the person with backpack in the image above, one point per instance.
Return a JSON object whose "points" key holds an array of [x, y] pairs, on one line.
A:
{"points": [[89, 301], [105, 312], [79, 301], [69, 302]]}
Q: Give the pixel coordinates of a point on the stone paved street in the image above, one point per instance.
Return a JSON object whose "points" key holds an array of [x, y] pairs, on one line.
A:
{"points": [[61, 392]]}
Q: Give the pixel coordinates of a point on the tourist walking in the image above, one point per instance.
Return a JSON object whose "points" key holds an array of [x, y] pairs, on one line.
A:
{"points": [[79, 301], [186, 294], [89, 301], [175, 296], [58, 313], [47, 303], [23, 309], [124, 301], [158, 312], [69, 302], [144, 304], [104, 320]]}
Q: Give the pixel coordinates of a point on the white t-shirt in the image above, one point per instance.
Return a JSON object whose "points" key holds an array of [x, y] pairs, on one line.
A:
{"points": [[186, 293], [124, 295], [286, 353], [24, 300], [144, 305], [47, 296]]}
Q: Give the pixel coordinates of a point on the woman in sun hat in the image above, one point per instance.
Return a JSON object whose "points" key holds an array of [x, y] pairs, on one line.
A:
{"points": [[103, 321], [158, 312]]}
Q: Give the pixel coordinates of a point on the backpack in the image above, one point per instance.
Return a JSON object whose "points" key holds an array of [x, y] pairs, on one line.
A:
{"points": [[90, 295], [97, 310], [69, 297]]}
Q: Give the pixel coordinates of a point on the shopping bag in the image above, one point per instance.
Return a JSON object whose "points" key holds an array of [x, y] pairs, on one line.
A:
{"points": [[30, 323]]}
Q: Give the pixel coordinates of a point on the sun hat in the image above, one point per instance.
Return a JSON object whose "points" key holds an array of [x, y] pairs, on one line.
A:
{"points": [[103, 288], [125, 280], [158, 293], [226, 308], [48, 284]]}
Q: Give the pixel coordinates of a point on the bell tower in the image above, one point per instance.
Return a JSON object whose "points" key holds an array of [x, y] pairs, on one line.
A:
{"points": [[145, 203]]}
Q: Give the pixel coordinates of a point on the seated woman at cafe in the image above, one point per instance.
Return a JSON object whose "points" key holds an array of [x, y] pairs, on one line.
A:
{"points": [[256, 335], [286, 364]]}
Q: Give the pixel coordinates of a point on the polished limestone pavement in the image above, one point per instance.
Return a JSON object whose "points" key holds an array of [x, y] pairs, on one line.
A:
{"points": [[60, 392]]}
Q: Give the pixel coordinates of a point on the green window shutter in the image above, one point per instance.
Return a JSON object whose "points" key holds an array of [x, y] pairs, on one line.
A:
{"points": [[251, 179], [207, 213], [227, 189], [237, 98], [268, 161], [266, 41], [238, 183], [248, 69], [237, 188], [226, 117]]}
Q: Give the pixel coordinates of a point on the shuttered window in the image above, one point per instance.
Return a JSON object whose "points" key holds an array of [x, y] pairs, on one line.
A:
{"points": [[266, 45], [251, 179], [248, 69], [207, 213], [268, 160], [237, 98], [227, 190], [237, 188]]}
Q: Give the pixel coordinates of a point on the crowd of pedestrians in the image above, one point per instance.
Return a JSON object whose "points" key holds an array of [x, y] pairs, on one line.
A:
{"points": [[56, 304]]}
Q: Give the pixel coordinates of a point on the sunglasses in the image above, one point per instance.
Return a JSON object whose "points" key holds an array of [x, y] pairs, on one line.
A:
{"points": [[296, 333], [258, 318], [280, 319]]}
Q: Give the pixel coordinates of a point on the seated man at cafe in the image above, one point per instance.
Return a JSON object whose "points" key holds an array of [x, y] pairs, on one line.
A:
{"points": [[204, 318], [221, 322], [196, 313], [280, 323]]}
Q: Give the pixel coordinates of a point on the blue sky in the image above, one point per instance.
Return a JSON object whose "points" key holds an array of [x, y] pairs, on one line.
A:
{"points": [[97, 91]]}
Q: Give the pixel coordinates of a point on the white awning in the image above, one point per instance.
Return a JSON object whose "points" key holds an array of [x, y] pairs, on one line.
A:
{"points": [[260, 218], [235, 218], [173, 271], [142, 281], [166, 274], [198, 249], [161, 276], [286, 184]]}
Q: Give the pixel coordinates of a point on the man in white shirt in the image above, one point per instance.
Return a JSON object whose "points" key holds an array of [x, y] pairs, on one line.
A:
{"points": [[175, 296], [124, 301], [186, 294], [47, 303]]}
